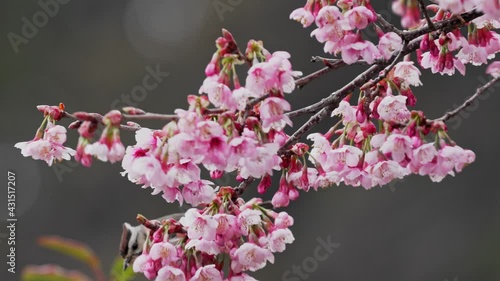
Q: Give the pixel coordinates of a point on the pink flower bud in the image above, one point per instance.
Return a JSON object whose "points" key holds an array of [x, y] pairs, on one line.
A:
{"points": [[133, 110]]}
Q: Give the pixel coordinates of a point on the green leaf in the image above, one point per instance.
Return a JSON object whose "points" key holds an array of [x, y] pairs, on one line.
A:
{"points": [[117, 272], [71, 248], [51, 272]]}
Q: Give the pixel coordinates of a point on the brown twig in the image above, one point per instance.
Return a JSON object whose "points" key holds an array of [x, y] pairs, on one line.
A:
{"points": [[423, 10], [151, 116], [448, 115], [301, 82], [98, 119]]}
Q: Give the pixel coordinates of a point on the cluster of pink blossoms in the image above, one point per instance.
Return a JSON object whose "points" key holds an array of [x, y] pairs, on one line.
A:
{"points": [[230, 127], [248, 142], [339, 27], [47, 145], [243, 236]]}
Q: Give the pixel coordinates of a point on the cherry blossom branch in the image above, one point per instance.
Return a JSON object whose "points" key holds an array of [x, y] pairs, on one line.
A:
{"points": [[387, 26], [448, 115], [445, 26], [238, 191], [98, 119], [151, 116], [301, 82], [386, 70], [315, 119], [423, 10]]}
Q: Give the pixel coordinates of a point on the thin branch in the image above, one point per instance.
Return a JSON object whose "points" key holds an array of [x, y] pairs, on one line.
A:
{"points": [[444, 25], [238, 191], [448, 115], [301, 82], [151, 116], [98, 119], [344, 91], [423, 10], [387, 69], [315, 119], [389, 27]]}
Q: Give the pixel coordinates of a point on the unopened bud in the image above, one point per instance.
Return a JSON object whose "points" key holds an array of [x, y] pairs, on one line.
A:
{"points": [[133, 110], [75, 125]]}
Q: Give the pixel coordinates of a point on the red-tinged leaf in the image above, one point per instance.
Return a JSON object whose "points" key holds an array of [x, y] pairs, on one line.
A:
{"points": [[70, 248], [51, 272]]}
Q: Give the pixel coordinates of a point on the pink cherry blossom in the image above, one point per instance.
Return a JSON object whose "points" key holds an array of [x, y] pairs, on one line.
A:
{"points": [[272, 114], [393, 109], [344, 157], [250, 257], [49, 148], [164, 251], [329, 22], [227, 226], [359, 17], [407, 71], [170, 273], [263, 162], [209, 247], [283, 220], [473, 54], [199, 226], [241, 277], [247, 219], [385, 171], [354, 47], [146, 265], [198, 192], [494, 69], [279, 238], [305, 17], [398, 146], [206, 273], [389, 43], [347, 111], [218, 93]]}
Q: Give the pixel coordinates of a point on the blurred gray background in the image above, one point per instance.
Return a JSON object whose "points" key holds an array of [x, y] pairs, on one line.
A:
{"points": [[90, 53]]}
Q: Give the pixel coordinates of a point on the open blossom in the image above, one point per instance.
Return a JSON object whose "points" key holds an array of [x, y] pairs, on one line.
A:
{"points": [[494, 69], [279, 238], [353, 48], [358, 17], [206, 273], [347, 111], [330, 25], [109, 147], [48, 148], [386, 171], [199, 226], [250, 257], [408, 72], [476, 55], [105, 151], [276, 73], [164, 251], [305, 17], [389, 43], [393, 109], [170, 273], [272, 114], [398, 146]]}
